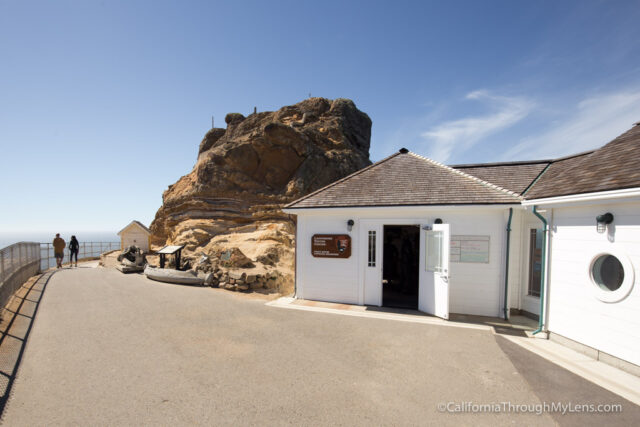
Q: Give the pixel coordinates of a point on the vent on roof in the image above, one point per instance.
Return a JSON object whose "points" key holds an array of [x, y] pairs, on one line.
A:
{"points": [[404, 150]]}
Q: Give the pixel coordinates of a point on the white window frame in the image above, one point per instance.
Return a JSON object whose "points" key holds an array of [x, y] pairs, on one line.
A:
{"points": [[371, 248], [627, 284]]}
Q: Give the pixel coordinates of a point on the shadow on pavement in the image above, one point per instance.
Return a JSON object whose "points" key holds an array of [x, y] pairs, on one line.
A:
{"points": [[15, 326], [552, 383]]}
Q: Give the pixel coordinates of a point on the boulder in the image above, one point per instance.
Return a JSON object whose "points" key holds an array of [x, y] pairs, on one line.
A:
{"points": [[245, 173], [237, 275]]}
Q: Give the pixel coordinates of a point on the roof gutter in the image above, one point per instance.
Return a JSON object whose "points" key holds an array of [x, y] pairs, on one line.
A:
{"points": [[586, 197], [543, 275]]}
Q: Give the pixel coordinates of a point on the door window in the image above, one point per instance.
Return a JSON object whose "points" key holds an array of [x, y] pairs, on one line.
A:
{"points": [[535, 261], [433, 250]]}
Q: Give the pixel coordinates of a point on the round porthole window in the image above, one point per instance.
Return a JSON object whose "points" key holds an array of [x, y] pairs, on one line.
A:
{"points": [[608, 273], [612, 276]]}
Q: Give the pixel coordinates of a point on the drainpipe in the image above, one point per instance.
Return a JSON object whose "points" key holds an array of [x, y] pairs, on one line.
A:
{"points": [[506, 270], [295, 259], [543, 275]]}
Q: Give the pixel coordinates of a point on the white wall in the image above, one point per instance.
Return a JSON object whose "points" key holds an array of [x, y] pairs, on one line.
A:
{"points": [[515, 258], [474, 288], [326, 279], [135, 236], [574, 311]]}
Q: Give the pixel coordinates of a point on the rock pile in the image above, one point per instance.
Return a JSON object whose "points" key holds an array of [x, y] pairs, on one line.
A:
{"points": [[232, 199]]}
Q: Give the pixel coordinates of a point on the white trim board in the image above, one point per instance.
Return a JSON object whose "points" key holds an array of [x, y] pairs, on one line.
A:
{"points": [[627, 193]]}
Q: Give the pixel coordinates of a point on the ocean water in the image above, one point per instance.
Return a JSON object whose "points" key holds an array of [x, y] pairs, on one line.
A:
{"points": [[92, 244], [9, 238]]}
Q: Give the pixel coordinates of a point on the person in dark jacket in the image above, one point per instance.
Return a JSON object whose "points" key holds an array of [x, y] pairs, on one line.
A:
{"points": [[74, 248]]}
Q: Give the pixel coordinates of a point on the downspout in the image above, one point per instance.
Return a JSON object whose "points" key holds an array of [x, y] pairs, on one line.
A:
{"points": [[295, 260], [506, 270], [543, 276]]}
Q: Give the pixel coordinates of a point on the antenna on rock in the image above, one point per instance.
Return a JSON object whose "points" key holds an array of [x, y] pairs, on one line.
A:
{"points": [[255, 110], [212, 122]]}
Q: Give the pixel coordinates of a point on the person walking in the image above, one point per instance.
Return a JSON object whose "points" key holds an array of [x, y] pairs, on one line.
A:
{"points": [[74, 248], [58, 249]]}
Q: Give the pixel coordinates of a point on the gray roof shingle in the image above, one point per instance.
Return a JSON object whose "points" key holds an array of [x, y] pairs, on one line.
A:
{"points": [[514, 176], [144, 227], [406, 179], [612, 167]]}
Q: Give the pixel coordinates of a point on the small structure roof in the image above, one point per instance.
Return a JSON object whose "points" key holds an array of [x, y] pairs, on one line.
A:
{"points": [[139, 224], [407, 179], [612, 167], [514, 176]]}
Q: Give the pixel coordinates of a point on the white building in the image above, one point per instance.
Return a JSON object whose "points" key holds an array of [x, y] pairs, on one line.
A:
{"points": [[487, 239], [135, 234]]}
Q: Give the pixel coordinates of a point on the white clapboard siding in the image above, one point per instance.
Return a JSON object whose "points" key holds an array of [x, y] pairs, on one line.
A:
{"points": [[574, 311], [475, 288]]}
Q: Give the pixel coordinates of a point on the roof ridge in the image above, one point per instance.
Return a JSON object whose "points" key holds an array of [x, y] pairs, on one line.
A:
{"points": [[571, 156], [499, 164], [585, 154], [466, 175], [535, 180], [358, 172], [135, 221]]}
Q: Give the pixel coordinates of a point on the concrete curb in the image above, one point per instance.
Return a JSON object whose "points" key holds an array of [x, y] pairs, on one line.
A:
{"points": [[606, 376], [287, 302]]}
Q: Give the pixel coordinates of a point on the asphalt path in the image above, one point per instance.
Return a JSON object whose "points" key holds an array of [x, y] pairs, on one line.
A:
{"points": [[110, 349]]}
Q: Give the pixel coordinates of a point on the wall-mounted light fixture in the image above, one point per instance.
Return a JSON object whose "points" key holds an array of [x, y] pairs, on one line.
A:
{"points": [[350, 225], [438, 221], [602, 221]]}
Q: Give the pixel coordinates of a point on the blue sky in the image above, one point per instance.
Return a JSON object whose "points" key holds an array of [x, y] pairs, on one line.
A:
{"points": [[89, 89]]}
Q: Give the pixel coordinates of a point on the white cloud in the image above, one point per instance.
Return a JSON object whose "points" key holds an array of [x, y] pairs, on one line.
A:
{"points": [[594, 122], [462, 134]]}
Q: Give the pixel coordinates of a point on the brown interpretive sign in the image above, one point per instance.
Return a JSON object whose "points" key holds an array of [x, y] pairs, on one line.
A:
{"points": [[331, 245]]}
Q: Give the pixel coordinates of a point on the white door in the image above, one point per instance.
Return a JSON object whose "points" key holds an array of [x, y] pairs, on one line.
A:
{"points": [[434, 270], [371, 261]]}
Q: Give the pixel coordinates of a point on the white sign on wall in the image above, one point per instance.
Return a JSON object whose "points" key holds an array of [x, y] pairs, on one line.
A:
{"points": [[469, 249]]}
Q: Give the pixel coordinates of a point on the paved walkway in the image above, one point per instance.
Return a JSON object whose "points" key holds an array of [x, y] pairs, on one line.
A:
{"points": [[109, 349]]}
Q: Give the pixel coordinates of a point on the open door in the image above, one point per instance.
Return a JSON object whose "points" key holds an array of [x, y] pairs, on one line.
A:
{"points": [[434, 270]]}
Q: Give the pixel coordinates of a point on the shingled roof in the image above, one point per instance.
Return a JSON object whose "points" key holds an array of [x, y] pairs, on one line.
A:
{"points": [[144, 227], [612, 167], [514, 176], [406, 179]]}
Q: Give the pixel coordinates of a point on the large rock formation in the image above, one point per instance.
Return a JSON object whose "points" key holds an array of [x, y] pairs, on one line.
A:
{"points": [[232, 199]]}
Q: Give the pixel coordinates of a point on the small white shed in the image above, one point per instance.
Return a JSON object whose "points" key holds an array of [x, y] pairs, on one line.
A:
{"points": [[136, 234]]}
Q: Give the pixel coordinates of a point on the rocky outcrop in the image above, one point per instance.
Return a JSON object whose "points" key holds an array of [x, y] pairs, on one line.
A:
{"points": [[246, 172]]}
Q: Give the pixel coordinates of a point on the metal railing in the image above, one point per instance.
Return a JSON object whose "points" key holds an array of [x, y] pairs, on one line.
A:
{"points": [[17, 263], [16, 256], [87, 250]]}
